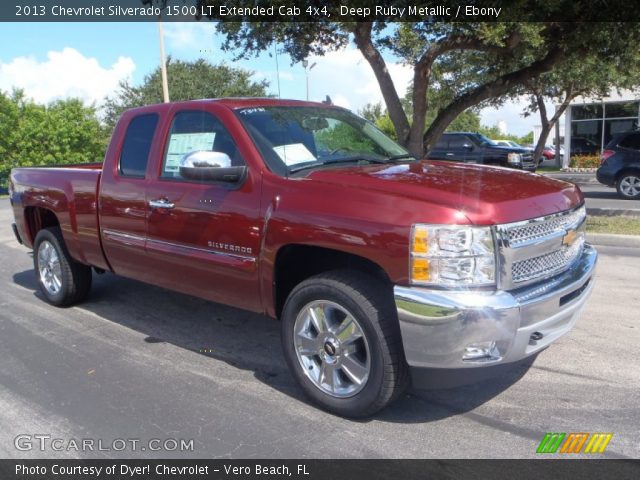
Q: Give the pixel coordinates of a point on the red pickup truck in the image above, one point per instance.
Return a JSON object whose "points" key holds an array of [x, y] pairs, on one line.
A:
{"points": [[379, 266]]}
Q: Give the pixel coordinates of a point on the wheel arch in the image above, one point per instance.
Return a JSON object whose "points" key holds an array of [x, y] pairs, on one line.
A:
{"points": [[294, 263], [37, 218]]}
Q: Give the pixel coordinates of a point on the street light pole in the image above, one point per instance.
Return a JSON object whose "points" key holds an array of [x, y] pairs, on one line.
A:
{"points": [[305, 64], [163, 64]]}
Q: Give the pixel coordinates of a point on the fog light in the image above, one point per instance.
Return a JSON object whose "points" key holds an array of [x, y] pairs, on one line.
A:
{"points": [[481, 351]]}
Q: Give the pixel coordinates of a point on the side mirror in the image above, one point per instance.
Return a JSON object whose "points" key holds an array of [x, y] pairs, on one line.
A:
{"points": [[205, 165], [468, 147]]}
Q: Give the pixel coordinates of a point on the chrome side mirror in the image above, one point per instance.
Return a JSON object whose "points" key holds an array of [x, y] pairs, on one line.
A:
{"points": [[204, 165]]}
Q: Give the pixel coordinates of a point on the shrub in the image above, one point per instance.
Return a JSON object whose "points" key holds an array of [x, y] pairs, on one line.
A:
{"points": [[585, 161]]}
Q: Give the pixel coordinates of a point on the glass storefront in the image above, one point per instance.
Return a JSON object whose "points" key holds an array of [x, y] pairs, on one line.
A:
{"points": [[593, 125]]}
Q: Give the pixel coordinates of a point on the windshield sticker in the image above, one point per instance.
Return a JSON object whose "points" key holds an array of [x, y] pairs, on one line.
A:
{"points": [[294, 153]]}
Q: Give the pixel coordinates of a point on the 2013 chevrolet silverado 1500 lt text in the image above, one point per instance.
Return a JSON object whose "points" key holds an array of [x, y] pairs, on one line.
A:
{"points": [[378, 265]]}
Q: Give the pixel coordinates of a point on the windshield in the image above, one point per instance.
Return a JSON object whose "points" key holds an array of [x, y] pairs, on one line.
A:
{"points": [[291, 139], [486, 141]]}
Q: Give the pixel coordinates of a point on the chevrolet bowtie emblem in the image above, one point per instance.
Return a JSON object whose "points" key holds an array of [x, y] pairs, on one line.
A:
{"points": [[569, 238]]}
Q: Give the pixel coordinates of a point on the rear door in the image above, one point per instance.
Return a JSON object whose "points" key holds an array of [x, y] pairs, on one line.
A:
{"points": [[122, 201], [203, 237], [459, 149]]}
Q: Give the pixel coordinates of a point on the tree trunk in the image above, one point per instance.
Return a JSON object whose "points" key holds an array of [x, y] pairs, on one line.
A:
{"points": [[362, 37], [545, 124], [548, 124]]}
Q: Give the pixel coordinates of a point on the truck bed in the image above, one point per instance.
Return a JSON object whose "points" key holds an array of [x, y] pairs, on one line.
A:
{"points": [[70, 191]]}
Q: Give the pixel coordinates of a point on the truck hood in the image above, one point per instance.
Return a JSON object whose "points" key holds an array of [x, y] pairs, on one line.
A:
{"points": [[506, 150], [485, 195]]}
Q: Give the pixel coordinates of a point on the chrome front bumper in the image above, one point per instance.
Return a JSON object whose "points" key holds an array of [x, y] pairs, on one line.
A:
{"points": [[437, 325]]}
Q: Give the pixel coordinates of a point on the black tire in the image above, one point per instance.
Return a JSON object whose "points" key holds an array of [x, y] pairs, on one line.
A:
{"points": [[75, 278], [370, 302], [627, 183]]}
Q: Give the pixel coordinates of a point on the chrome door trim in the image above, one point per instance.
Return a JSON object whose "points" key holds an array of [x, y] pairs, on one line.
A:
{"points": [[198, 249]]}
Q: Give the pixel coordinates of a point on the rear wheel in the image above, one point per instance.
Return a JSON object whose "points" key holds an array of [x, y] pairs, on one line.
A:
{"points": [[61, 279], [628, 186], [342, 342]]}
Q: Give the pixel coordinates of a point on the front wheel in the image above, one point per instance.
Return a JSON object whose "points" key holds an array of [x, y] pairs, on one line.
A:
{"points": [[61, 279], [342, 343], [628, 186]]}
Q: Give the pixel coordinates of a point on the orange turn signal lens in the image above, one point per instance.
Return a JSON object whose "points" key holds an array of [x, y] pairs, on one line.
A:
{"points": [[420, 270], [420, 240]]}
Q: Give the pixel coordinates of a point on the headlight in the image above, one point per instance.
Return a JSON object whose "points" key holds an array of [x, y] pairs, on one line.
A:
{"points": [[514, 158], [452, 255]]}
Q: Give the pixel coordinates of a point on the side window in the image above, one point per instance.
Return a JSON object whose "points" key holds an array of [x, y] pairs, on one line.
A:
{"points": [[631, 141], [458, 141], [193, 131], [442, 142], [136, 146]]}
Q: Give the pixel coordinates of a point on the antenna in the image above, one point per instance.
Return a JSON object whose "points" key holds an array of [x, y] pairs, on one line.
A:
{"points": [[275, 49]]}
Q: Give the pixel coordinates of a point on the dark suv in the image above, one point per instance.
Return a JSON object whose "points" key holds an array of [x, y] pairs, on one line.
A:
{"points": [[620, 165], [476, 148]]}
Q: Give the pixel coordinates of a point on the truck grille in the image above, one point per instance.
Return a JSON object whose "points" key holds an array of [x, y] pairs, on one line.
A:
{"points": [[540, 247], [527, 160], [546, 265], [538, 228]]}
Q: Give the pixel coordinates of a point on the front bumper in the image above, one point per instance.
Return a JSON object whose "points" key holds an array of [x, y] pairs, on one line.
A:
{"points": [[437, 325]]}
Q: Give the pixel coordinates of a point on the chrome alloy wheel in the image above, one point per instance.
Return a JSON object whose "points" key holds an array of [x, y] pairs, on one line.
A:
{"points": [[630, 186], [49, 268], [332, 348]]}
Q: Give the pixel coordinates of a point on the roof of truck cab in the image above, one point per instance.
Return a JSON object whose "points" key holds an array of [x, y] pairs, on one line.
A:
{"points": [[236, 103]]}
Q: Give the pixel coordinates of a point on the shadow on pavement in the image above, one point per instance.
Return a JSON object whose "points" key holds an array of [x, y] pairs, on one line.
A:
{"points": [[608, 195], [252, 342]]}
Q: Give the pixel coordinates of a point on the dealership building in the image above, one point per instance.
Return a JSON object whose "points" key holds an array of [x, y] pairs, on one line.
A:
{"points": [[589, 124]]}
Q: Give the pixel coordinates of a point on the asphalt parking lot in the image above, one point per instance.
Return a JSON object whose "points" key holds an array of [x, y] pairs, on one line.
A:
{"points": [[139, 362], [606, 198]]}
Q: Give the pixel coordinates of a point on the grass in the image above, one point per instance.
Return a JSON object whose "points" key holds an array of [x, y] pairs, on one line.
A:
{"points": [[616, 225]]}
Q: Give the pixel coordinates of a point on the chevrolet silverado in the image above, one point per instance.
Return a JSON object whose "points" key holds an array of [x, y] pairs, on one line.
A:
{"points": [[379, 266]]}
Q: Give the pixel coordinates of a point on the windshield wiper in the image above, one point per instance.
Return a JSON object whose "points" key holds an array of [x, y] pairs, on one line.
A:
{"points": [[353, 158]]}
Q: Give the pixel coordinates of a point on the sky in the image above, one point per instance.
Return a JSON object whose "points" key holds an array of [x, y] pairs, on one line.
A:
{"points": [[50, 61]]}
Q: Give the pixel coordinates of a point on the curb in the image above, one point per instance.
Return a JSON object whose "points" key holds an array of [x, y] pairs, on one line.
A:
{"points": [[613, 212], [611, 240], [577, 178]]}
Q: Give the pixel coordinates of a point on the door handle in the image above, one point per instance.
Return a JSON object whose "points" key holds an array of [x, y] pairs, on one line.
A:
{"points": [[450, 154], [161, 203]]}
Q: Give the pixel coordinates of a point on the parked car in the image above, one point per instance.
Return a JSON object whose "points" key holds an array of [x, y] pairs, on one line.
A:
{"points": [[549, 152], [511, 143], [476, 148], [380, 267], [620, 165]]}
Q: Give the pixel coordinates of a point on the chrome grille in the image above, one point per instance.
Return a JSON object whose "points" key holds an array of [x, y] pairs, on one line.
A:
{"points": [[546, 265], [531, 230], [537, 248]]}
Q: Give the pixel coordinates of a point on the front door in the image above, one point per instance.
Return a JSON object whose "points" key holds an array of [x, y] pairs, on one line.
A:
{"points": [[203, 237]]}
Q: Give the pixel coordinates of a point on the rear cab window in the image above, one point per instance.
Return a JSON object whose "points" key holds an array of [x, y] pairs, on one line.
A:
{"points": [[134, 155]]}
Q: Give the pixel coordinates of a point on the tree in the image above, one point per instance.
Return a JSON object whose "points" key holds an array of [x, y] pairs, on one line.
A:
{"points": [[476, 61], [187, 81], [63, 132], [589, 76]]}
